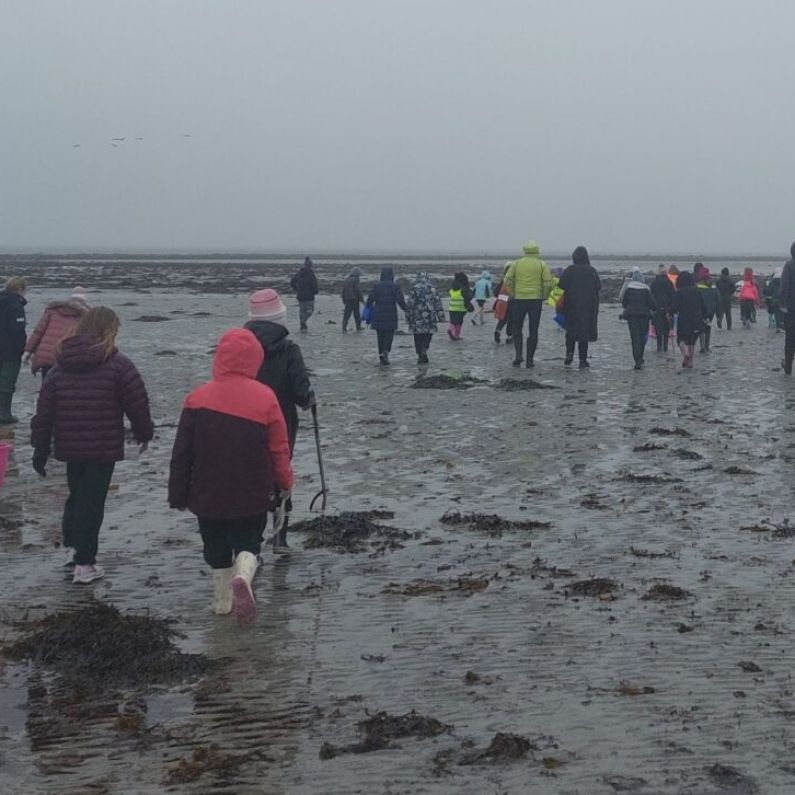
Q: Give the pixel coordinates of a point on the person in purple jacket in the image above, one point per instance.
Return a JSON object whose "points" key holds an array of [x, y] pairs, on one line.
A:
{"points": [[81, 407]]}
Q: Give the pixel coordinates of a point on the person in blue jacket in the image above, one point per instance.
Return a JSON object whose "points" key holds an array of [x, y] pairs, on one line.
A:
{"points": [[384, 299], [484, 289]]}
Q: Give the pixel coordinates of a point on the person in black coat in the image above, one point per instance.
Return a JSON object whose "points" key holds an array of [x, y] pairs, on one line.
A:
{"points": [[283, 371], [305, 285], [639, 307], [12, 343], [690, 310], [581, 286], [662, 292], [787, 301], [726, 288], [385, 298]]}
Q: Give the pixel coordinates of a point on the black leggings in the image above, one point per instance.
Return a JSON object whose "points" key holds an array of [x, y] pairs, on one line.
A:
{"points": [[638, 329], [571, 341], [385, 341], [529, 308], [224, 538], [422, 342], [84, 511]]}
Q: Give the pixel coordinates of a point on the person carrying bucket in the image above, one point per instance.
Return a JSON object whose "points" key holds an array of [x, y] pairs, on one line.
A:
{"points": [[230, 465], [284, 371]]}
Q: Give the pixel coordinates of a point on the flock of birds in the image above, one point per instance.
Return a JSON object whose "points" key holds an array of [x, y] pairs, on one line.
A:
{"points": [[114, 142]]}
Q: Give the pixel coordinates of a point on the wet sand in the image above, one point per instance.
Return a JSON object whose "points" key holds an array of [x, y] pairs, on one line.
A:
{"points": [[616, 693]]}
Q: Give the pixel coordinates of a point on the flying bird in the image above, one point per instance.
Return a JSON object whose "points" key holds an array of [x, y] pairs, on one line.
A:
{"points": [[115, 146], [186, 135], [117, 139], [76, 146]]}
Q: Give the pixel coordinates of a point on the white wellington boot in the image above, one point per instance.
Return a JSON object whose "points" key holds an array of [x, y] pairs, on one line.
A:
{"points": [[243, 573], [222, 591]]}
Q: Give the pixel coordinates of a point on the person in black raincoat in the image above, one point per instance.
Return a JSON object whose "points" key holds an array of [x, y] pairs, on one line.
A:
{"points": [[662, 291], [581, 286], [690, 310], [385, 298], [283, 371]]}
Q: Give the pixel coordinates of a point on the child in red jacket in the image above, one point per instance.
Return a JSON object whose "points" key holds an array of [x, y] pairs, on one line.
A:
{"points": [[230, 463], [749, 298]]}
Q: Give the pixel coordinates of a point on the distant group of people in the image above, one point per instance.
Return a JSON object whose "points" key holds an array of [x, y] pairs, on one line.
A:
{"points": [[231, 461], [677, 304]]}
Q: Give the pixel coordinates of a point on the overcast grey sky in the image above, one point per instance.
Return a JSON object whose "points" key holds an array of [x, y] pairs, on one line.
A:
{"points": [[398, 125]]}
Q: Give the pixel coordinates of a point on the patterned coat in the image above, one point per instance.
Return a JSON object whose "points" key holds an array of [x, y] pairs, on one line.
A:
{"points": [[424, 309]]}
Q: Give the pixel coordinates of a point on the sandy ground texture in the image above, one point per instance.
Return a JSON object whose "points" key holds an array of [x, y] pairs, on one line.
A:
{"points": [[624, 626]]}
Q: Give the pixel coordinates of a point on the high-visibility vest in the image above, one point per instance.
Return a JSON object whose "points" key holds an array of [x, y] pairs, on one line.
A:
{"points": [[457, 301]]}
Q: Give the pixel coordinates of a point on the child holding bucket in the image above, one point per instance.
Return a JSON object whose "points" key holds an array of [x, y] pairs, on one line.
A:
{"points": [[81, 408]]}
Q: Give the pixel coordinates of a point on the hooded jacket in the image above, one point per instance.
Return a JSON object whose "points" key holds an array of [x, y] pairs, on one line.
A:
{"points": [[58, 319], [83, 401], [385, 298], [689, 308], [484, 287], [284, 371], [305, 283], [529, 276], [351, 292], [637, 300], [424, 309], [12, 326], [231, 452], [581, 286], [726, 287]]}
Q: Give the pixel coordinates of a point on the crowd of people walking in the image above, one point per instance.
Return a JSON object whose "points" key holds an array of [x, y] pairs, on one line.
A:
{"points": [[231, 461]]}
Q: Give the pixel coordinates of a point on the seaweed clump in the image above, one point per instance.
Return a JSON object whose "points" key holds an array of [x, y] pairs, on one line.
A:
{"points": [[492, 524], [443, 381], [352, 532], [99, 646], [521, 384], [379, 730]]}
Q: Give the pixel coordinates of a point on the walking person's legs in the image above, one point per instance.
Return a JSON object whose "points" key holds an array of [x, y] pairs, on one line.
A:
{"points": [[534, 318], [9, 372], [518, 313], [91, 481], [571, 341], [357, 316], [789, 342], [346, 314], [582, 347]]}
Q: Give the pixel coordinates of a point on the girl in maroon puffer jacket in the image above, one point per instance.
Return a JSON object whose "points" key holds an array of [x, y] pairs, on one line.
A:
{"points": [[81, 407]]}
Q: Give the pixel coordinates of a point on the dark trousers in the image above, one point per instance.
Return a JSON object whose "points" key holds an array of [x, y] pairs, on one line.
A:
{"points": [[747, 308], [224, 538], [305, 310], [662, 327], [351, 308], [789, 339], [571, 341], [85, 507], [9, 372], [422, 342], [638, 331], [725, 310], [529, 308], [385, 341]]}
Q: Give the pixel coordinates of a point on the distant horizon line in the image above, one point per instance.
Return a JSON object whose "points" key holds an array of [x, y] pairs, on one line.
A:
{"points": [[357, 254]]}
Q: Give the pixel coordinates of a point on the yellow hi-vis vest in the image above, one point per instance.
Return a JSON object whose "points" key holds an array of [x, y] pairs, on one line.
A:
{"points": [[457, 301]]}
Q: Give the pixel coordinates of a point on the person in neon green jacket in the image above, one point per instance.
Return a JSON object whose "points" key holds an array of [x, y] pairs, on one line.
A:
{"points": [[529, 283]]}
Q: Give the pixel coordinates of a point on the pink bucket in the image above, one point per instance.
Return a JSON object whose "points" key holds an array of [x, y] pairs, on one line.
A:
{"points": [[5, 450]]}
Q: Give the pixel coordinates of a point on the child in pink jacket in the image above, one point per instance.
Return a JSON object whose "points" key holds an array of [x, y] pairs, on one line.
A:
{"points": [[749, 297], [59, 318]]}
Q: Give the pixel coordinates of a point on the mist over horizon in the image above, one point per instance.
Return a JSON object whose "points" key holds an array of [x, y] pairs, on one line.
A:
{"points": [[436, 126]]}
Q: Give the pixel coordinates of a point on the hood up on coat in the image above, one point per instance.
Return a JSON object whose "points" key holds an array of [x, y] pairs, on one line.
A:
{"points": [[580, 256], [636, 277], [80, 354], [748, 275], [422, 277], [387, 274], [531, 249], [485, 275], [356, 273], [704, 274], [239, 353], [685, 279]]}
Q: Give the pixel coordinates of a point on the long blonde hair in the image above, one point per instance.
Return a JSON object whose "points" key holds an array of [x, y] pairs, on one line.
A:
{"points": [[100, 323]]}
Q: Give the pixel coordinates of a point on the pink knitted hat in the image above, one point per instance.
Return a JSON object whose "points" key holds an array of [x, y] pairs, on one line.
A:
{"points": [[266, 305]]}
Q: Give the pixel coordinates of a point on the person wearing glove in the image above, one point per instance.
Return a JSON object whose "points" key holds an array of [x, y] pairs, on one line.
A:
{"points": [[283, 370], [230, 462], [81, 409]]}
